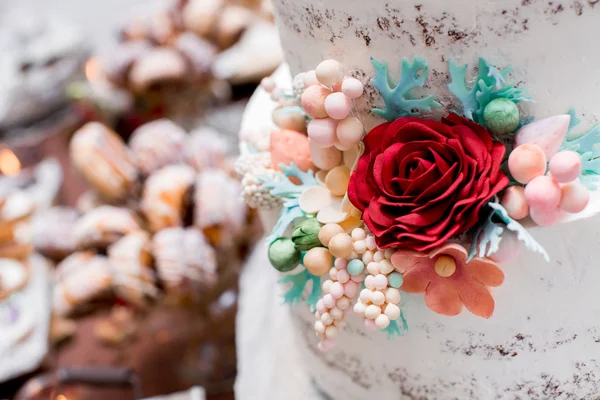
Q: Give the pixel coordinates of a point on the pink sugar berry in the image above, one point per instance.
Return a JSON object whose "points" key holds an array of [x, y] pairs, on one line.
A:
{"points": [[328, 301], [546, 217], [338, 105], [565, 166], [575, 197], [543, 193], [527, 162], [313, 101], [513, 201], [337, 290], [351, 289], [322, 131]]}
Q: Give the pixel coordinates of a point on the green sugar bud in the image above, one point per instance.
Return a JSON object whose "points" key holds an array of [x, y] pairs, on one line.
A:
{"points": [[306, 234], [501, 116], [283, 255]]}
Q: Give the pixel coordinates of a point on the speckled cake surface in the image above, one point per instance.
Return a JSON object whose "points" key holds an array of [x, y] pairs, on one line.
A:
{"points": [[543, 340]]}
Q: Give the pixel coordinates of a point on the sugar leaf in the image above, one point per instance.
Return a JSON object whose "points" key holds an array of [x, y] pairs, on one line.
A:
{"points": [[394, 328], [490, 239], [284, 188], [287, 215], [398, 98], [489, 85], [587, 145], [522, 234], [294, 294]]}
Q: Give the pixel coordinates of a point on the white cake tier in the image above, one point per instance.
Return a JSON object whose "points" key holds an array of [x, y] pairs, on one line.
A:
{"points": [[550, 44], [543, 341]]}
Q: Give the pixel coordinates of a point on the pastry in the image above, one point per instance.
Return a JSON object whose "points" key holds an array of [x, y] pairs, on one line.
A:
{"points": [[102, 226], [166, 196], [206, 148], [104, 161], [53, 232], [159, 66], [157, 144], [185, 261], [80, 278], [131, 259], [219, 209]]}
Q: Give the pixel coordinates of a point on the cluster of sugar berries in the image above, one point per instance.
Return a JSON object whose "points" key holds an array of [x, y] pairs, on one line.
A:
{"points": [[378, 302], [551, 188], [352, 252], [328, 98]]}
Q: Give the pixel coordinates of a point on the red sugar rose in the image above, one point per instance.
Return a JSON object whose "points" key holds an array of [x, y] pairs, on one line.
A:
{"points": [[420, 182]]}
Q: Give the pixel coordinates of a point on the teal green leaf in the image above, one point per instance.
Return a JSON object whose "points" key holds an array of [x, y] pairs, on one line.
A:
{"points": [[284, 188], [294, 294], [399, 98], [489, 85], [587, 144], [393, 330]]}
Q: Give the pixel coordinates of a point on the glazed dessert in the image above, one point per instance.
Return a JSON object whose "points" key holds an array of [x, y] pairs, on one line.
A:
{"points": [[436, 183], [140, 247], [176, 59]]}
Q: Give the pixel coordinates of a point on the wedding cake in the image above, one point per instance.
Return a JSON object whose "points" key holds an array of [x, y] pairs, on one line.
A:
{"points": [[429, 172]]}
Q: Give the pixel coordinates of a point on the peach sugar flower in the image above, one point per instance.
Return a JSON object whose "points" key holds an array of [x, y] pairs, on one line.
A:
{"points": [[449, 282]]}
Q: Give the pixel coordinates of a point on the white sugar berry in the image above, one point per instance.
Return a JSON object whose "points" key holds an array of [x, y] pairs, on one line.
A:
{"points": [[372, 312], [370, 241], [373, 268], [378, 256], [331, 332], [343, 303], [386, 267], [380, 281], [377, 298], [330, 73], [336, 313], [360, 246], [333, 273], [358, 234], [392, 295], [360, 308], [352, 88], [319, 327], [327, 319], [392, 311], [369, 282], [365, 295], [367, 257], [382, 321], [327, 286]]}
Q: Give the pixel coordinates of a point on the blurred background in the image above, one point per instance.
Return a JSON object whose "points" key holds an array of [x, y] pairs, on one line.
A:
{"points": [[122, 228]]}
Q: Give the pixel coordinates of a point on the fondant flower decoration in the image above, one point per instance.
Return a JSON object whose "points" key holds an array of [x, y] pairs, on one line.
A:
{"points": [[327, 200], [448, 281], [420, 182]]}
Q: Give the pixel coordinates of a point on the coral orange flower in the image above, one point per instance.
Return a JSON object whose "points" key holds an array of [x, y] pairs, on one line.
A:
{"points": [[449, 282]]}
